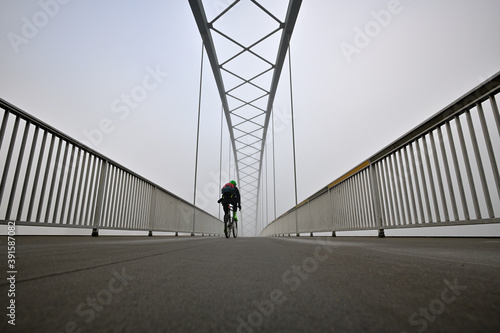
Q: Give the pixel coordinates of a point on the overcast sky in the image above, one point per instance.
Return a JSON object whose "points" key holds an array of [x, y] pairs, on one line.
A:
{"points": [[363, 74]]}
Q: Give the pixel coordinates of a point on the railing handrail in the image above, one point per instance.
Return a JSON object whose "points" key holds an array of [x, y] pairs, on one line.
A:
{"points": [[37, 122], [58, 181], [477, 95]]}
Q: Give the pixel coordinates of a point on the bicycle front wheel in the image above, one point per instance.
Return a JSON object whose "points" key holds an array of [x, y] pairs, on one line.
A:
{"points": [[235, 229]]}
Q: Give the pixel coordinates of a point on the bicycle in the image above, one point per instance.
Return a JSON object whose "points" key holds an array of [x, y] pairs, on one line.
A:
{"points": [[230, 224]]}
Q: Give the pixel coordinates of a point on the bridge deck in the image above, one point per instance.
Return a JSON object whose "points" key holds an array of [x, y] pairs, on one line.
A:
{"points": [[160, 284]]}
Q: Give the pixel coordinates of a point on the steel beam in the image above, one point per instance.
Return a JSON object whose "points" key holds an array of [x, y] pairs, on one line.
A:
{"points": [[289, 25], [204, 28], [287, 28]]}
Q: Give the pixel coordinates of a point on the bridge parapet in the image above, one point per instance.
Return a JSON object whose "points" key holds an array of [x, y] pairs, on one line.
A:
{"points": [[444, 172], [50, 179]]}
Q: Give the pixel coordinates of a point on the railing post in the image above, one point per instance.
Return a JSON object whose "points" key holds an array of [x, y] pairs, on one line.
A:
{"points": [[194, 220], [152, 213], [100, 199], [331, 210], [376, 200], [297, 222], [178, 217]]}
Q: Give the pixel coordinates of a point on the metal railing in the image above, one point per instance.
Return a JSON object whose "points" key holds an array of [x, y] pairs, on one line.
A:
{"points": [[49, 179], [444, 172]]}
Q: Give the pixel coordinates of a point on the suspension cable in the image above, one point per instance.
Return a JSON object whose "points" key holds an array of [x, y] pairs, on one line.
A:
{"points": [[220, 152], [274, 164], [267, 192], [197, 139], [293, 131]]}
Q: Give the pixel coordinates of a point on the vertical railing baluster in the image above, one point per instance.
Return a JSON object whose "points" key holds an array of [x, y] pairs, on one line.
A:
{"points": [[357, 217], [335, 208], [343, 205], [387, 192], [37, 175], [347, 203], [377, 205], [53, 181], [17, 171], [79, 194], [383, 193], [133, 202], [152, 208], [489, 147], [369, 199], [94, 182], [361, 213], [45, 179], [143, 200], [68, 182], [27, 174], [424, 183], [479, 162], [131, 181], [87, 186], [111, 196], [118, 198], [468, 169], [123, 207], [365, 199], [330, 204], [103, 164], [107, 194], [394, 179], [439, 178], [61, 181], [352, 201], [458, 174], [3, 127], [411, 191], [407, 216], [417, 186], [446, 165], [139, 198], [496, 114], [397, 176], [9, 158], [431, 180]]}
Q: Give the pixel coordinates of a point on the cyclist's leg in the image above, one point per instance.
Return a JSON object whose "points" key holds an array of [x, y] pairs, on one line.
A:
{"points": [[225, 205], [235, 208]]}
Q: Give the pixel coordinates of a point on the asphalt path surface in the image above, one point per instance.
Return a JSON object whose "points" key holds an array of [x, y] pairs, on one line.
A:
{"points": [[211, 284]]}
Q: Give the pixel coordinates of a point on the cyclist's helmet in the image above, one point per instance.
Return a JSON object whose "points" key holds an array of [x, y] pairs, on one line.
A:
{"points": [[233, 182]]}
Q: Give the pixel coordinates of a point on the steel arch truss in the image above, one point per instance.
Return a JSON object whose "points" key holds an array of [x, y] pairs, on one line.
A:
{"points": [[247, 74]]}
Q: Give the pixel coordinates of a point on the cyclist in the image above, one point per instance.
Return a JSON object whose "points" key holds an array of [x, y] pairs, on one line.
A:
{"points": [[230, 195]]}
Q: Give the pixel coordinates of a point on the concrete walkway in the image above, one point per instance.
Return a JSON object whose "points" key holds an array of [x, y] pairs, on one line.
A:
{"points": [[201, 284]]}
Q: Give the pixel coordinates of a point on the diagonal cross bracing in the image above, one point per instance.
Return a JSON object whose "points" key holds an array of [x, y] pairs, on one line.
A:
{"points": [[247, 115]]}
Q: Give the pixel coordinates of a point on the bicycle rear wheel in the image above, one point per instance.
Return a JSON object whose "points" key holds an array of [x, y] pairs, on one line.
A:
{"points": [[227, 232], [235, 229]]}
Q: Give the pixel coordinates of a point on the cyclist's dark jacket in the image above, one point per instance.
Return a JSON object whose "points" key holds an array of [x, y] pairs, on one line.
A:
{"points": [[233, 197]]}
